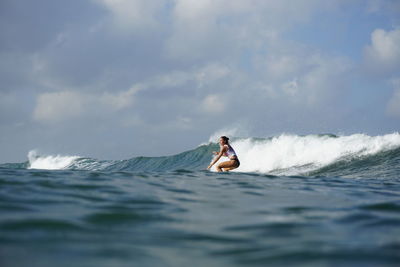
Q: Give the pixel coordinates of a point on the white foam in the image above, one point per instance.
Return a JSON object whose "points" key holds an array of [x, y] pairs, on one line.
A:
{"points": [[49, 162], [234, 130], [292, 154]]}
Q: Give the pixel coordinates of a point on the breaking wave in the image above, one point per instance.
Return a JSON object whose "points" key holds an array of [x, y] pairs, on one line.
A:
{"points": [[286, 154]]}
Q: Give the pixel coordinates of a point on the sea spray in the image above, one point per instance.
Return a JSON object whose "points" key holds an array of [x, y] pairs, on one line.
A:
{"points": [[49, 162], [294, 154]]}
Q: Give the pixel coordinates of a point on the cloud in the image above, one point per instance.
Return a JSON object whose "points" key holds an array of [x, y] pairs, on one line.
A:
{"points": [[383, 54], [194, 30], [217, 29], [279, 66], [213, 104], [328, 78], [199, 77], [58, 106], [85, 66], [134, 15], [300, 75], [393, 106], [211, 73], [163, 96], [120, 100], [179, 66], [65, 105]]}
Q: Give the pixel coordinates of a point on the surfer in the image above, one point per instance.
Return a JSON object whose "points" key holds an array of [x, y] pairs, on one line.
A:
{"points": [[227, 151]]}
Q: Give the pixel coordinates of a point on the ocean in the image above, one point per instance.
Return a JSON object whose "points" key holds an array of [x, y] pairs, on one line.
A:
{"points": [[313, 200]]}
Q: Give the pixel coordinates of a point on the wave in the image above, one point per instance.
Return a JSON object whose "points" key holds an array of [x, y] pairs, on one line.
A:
{"points": [[286, 154], [294, 154], [49, 162]]}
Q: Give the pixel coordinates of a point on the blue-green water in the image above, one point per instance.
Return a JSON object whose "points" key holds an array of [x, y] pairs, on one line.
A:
{"points": [[345, 212]]}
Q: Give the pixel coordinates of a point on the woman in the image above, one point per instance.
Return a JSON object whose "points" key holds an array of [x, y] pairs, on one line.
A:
{"points": [[227, 151]]}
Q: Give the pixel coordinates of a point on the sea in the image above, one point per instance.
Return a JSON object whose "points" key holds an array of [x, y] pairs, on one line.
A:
{"points": [[295, 200]]}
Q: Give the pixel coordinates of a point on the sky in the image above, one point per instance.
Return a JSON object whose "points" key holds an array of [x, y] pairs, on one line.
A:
{"points": [[114, 79]]}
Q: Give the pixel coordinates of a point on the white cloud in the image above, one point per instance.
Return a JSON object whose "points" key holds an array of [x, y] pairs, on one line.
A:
{"points": [[120, 100], [58, 106], [134, 15], [279, 66], [393, 106], [172, 79], [194, 59], [64, 105], [383, 54], [213, 104], [194, 10], [204, 29], [301, 75], [325, 78], [201, 76], [194, 29], [67, 104], [210, 73]]}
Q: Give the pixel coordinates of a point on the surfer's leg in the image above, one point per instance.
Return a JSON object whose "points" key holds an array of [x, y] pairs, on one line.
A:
{"points": [[227, 165]]}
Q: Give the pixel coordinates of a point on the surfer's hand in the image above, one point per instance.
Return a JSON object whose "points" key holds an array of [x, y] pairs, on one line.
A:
{"points": [[209, 167], [215, 153]]}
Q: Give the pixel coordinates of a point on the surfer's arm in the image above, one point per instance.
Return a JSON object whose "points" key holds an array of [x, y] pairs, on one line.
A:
{"points": [[217, 157]]}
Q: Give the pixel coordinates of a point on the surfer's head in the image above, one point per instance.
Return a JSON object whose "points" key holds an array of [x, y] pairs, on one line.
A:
{"points": [[223, 140]]}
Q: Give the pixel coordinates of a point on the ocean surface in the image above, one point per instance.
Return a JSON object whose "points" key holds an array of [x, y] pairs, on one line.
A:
{"points": [[314, 200]]}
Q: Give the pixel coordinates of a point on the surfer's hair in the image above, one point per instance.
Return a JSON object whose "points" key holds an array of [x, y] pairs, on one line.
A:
{"points": [[226, 139]]}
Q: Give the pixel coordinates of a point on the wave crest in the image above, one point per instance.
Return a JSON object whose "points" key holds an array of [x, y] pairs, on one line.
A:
{"points": [[49, 162], [294, 154], [285, 154]]}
